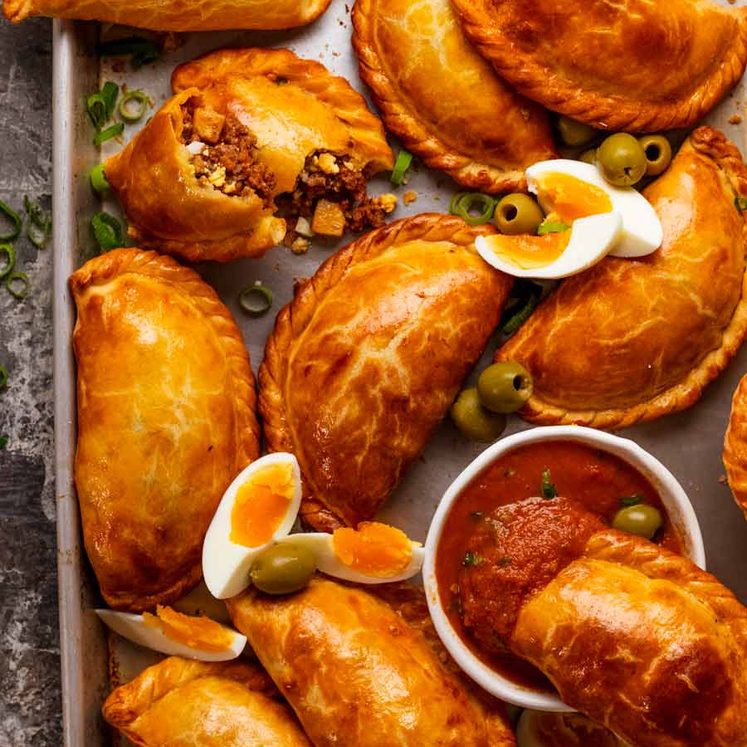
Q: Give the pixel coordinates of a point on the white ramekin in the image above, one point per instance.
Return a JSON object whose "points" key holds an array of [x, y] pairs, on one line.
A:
{"points": [[672, 495]]}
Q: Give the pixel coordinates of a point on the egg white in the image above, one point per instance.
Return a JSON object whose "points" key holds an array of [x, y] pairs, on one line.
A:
{"points": [[135, 629], [225, 564], [642, 232]]}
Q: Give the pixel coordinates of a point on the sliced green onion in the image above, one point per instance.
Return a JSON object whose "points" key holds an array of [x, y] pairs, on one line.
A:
{"points": [[552, 226], [3, 377], [631, 500], [98, 178], [403, 162], [473, 207], [518, 318], [471, 559], [548, 489], [100, 105], [135, 113], [741, 203], [256, 299], [9, 252], [39, 224], [4, 441], [107, 231], [142, 51], [15, 220], [109, 133], [15, 279]]}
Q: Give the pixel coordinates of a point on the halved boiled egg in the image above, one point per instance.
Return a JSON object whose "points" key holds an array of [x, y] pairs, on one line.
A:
{"points": [[258, 508], [540, 729], [175, 634], [568, 190], [373, 553]]}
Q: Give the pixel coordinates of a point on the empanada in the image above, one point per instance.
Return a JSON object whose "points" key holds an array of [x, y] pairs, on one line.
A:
{"points": [[367, 358], [182, 703], [735, 446], [249, 130], [442, 99], [634, 65], [358, 673], [171, 15], [635, 339], [636, 637], [166, 419]]}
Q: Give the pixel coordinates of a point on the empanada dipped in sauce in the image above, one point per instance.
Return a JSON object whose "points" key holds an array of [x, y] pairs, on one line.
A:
{"points": [[171, 15], [633, 65], [166, 419], [735, 446], [361, 671], [247, 131], [367, 358], [442, 99], [636, 637], [183, 703], [634, 339]]}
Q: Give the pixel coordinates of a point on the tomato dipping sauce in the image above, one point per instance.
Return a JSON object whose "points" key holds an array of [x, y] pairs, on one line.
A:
{"points": [[598, 480]]}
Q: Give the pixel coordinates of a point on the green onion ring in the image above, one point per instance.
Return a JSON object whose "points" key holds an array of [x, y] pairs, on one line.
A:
{"points": [[3, 377], [551, 226], [517, 319], [15, 220], [98, 178], [548, 489], [256, 299], [107, 231], [16, 277], [403, 162], [96, 108], [463, 205], [109, 133], [126, 112], [39, 224], [7, 250]]}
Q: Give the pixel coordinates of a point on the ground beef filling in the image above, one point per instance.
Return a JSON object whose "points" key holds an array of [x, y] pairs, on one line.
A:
{"points": [[227, 160]]}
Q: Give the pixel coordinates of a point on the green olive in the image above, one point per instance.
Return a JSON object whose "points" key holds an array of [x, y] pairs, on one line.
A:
{"points": [[575, 133], [473, 420], [658, 152], [518, 213], [283, 568], [642, 519], [589, 156], [504, 387], [622, 160]]}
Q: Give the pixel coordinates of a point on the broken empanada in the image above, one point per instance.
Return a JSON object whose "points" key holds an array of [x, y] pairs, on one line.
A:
{"points": [[249, 131], [735, 446], [183, 703], [166, 419], [635, 339], [170, 15], [442, 99], [634, 65], [367, 358]]}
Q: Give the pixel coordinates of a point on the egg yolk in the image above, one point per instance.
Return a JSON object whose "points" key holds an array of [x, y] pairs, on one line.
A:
{"points": [[373, 549], [261, 505], [570, 198], [195, 632], [530, 252]]}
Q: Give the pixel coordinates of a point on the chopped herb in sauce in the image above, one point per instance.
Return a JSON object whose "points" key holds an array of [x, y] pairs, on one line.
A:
{"points": [[471, 559], [505, 561], [632, 500], [548, 489], [477, 515]]}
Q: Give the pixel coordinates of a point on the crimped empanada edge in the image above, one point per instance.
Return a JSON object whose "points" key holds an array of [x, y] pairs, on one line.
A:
{"points": [[735, 446]]}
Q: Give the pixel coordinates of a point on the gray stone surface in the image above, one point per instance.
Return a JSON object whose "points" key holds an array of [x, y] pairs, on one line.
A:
{"points": [[30, 711]]}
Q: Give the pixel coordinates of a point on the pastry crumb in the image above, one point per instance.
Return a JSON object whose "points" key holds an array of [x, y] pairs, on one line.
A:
{"points": [[300, 245], [722, 480], [387, 202], [409, 197], [735, 119]]}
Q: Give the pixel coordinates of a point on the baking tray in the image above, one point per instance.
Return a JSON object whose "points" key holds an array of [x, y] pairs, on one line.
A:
{"points": [[688, 443]]}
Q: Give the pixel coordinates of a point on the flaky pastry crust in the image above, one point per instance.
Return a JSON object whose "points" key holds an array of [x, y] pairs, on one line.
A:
{"points": [[442, 99], [182, 703], [362, 671], [210, 15], [632, 65], [367, 358], [735, 446], [166, 419], [632, 340]]}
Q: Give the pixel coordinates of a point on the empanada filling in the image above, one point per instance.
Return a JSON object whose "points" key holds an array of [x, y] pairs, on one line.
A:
{"points": [[224, 153]]}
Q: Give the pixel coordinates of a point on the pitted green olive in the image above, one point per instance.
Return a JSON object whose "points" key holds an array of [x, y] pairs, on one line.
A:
{"points": [[283, 568]]}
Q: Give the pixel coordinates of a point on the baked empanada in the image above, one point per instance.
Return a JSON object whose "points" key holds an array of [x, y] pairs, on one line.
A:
{"points": [[171, 15], [636, 637], [358, 673], [249, 131], [735, 446], [632, 65], [166, 419], [442, 99], [182, 703], [635, 339], [367, 358]]}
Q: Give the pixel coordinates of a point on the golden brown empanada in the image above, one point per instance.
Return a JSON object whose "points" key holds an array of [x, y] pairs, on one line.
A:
{"points": [[358, 673], [635, 339], [633, 65], [442, 99], [636, 637], [247, 129], [171, 15], [166, 419], [365, 361], [735, 446], [182, 703]]}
